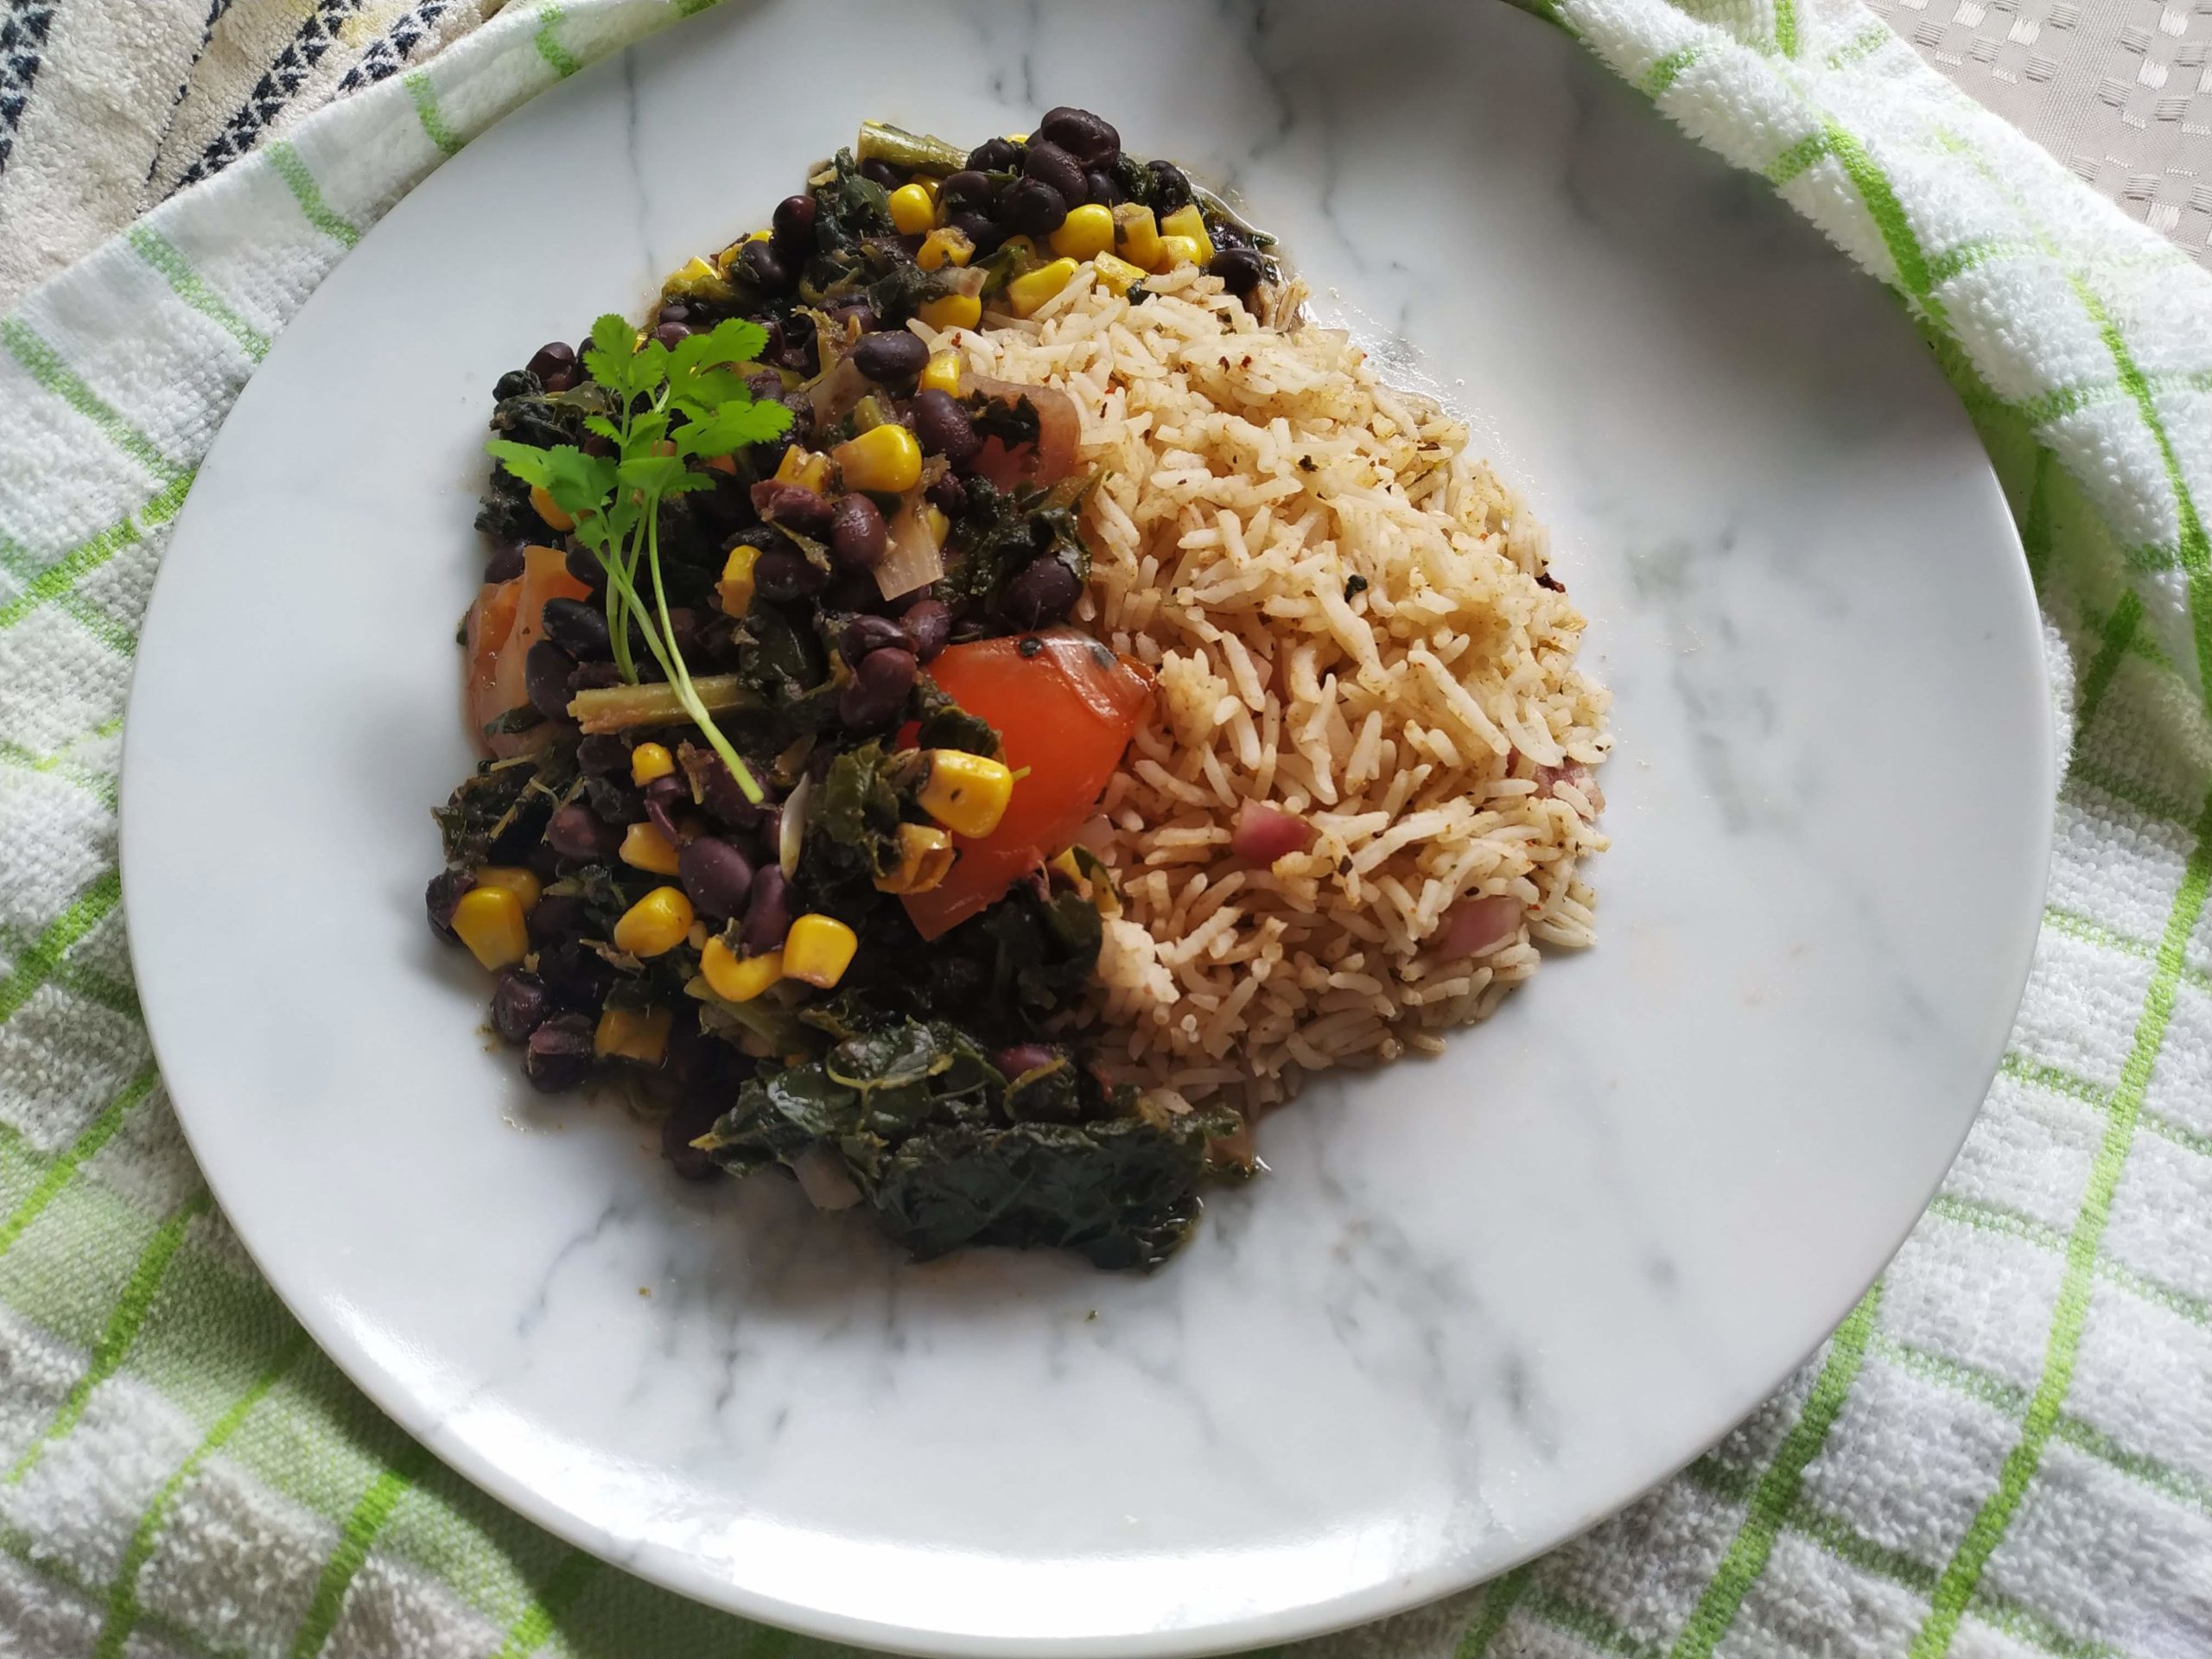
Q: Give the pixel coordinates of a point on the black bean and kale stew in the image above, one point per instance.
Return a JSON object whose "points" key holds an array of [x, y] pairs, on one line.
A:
{"points": [[789, 739]]}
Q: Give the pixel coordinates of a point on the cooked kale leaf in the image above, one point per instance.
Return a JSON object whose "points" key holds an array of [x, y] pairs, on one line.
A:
{"points": [[949, 1155]]}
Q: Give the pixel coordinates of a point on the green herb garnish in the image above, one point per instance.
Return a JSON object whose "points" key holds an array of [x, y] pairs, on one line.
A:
{"points": [[670, 406]]}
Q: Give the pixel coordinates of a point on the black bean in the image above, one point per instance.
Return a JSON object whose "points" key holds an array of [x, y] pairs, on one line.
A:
{"points": [[690, 1119], [505, 565], [877, 694], [613, 800], [860, 313], [672, 334], [583, 564], [593, 676], [790, 344], [1023, 1058], [1105, 189], [604, 753], [1050, 164], [781, 576], [1240, 271], [559, 918], [518, 1006], [1226, 234], [718, 792], [767, 912], [1035, 208], [881, 172], [578, 628], [943, 427], [793, 505], [994, 156], [663, 796], [864, 635], [673, 311], [559, 1054], [857, 532], [966, 189], [891, 357], [1041, 594], [948, 495], [555, 365], [765, 267], [440, 896], [926, 627], [1170, 187], [977, 229], [575, 831], [577, 978], [545, 675], [516, 383], [1086, 137], [792, 227], [716, 875]]}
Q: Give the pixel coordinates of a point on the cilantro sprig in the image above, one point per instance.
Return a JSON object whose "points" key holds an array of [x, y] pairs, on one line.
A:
{"points": [[671, 406]]}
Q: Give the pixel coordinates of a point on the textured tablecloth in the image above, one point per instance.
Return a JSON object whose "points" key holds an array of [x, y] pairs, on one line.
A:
{"points": [[2007, 1450]]}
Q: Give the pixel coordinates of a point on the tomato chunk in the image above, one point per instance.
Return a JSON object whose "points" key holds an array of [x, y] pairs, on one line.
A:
{"points": [[507, 619], [1065, 712]]}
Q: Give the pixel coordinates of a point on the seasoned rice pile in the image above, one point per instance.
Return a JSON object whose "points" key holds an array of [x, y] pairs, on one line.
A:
{"points": [[1345, 612]]}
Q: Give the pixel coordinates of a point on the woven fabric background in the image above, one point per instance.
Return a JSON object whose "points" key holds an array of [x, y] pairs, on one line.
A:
{"points": [[2006, 1451]]}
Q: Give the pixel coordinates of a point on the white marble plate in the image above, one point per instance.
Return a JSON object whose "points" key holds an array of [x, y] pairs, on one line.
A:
{"points": [[1481, 1301]]}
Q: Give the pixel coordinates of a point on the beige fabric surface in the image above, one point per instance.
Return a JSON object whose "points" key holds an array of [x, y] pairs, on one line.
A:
{"points": [[2118, 89]]}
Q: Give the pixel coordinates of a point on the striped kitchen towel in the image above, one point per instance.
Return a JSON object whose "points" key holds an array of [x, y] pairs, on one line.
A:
{"points": [[2005, 1450]]}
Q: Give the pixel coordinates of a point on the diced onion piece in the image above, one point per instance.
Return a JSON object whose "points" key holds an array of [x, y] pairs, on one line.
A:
{"points": [[824, 1179], [1264, 834], [913, 557], [791, 827], [1474, 926]]}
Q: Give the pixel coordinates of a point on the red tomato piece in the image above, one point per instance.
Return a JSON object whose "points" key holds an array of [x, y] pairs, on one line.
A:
{"points": [[1065, 713], [506, 620]]}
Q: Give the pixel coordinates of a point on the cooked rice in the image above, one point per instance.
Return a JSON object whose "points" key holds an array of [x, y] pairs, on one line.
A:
{"points": [[1434, 728]]}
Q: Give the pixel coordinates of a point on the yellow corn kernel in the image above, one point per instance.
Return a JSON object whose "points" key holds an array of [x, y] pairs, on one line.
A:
{"points": [[1115, 276], [882, 457], [489, 921], [736, 590], [1177, 250], [1027, 293], [1017, 137], [1188, 220], [1023, 250], [804, 468], [966, 793], [935, 522], [1136, 236], [649, 761], [655, 924], [523, 884], [951, 311], [912, 210], [944, 246], [644, 847], [737, 979], [542, 503], [1086, 231], [640, 1034], [819, 950], [761, 235], [942, 373], [1066, 865], [925, 859]]}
